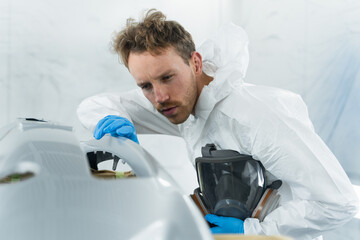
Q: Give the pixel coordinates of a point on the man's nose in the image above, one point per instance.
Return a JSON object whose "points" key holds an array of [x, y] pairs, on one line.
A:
{"points": [[161, 94]]}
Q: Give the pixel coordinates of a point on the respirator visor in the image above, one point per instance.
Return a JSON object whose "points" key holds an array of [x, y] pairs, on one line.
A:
{"points": [[231, 183]]}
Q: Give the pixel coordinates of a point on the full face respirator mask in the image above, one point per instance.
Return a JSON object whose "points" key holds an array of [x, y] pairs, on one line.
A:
{"points": [[233, 185]]}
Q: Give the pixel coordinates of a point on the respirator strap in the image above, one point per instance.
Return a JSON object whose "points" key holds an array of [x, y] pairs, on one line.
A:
{"points": [[206, 151]]}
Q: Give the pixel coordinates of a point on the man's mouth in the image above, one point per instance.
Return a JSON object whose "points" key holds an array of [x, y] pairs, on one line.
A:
{"points": [[168, 111]]}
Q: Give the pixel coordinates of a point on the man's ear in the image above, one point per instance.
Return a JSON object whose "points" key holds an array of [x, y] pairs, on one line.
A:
{"points": [[196, 61]]}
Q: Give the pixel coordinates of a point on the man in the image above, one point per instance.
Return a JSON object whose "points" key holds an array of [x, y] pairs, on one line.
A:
{"points": [[200, 96]]}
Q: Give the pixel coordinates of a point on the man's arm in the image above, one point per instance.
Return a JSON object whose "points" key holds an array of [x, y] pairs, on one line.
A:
{"points": [[322, 195], [131, 105]]}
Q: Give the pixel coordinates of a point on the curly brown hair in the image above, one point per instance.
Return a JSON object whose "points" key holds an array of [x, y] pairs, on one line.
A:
{"points": [[153, 34]]}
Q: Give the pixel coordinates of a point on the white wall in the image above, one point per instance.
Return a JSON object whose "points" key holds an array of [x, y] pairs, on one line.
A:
{"points": [[55, 53]]}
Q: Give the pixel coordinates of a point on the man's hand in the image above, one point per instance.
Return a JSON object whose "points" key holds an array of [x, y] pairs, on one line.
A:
{"points": [[225, 224], [116, 126]]}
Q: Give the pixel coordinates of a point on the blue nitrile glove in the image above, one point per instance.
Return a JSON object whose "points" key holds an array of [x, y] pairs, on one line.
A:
{"points": [[225, 224], [116, 126]]}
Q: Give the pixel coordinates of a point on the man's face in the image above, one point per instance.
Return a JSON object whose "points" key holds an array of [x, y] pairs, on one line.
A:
{"points": [[167, 82]]}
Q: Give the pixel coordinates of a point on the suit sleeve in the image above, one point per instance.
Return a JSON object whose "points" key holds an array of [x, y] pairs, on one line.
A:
{"points": [[322, 197]]}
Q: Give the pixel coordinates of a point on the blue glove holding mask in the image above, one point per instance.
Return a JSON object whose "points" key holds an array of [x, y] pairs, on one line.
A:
{"points": [[116, 126], [225, 224]]}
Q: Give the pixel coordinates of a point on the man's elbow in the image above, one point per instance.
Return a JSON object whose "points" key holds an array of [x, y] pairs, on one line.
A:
{"points": [[350, 208], [354, 205]]}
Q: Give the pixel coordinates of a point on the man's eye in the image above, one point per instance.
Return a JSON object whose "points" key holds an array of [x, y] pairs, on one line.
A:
{"points": [[146, 86], [167, 77]]}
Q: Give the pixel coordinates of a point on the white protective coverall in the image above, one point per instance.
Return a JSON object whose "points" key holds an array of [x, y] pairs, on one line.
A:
{"points": [[270, 124]]}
